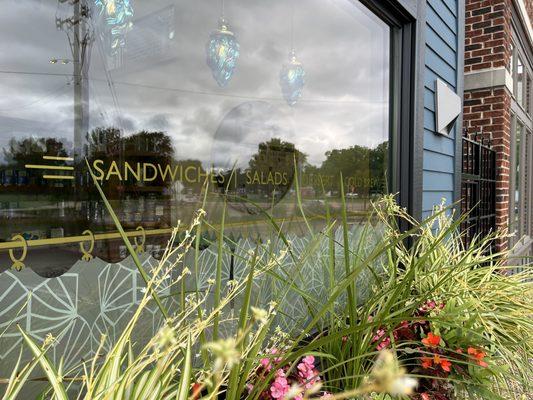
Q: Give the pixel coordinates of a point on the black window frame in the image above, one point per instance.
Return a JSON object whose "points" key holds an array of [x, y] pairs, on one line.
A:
{"points": [[405, 153]]}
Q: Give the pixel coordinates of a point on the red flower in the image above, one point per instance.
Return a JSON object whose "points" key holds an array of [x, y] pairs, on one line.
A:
{"points": [[431, 340], [196, 391], [427, 362], [478, 355], [425, 396], [444, 364]]}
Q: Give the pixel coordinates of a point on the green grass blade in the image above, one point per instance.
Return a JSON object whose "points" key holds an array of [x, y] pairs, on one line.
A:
{"points": [[218, 276], [185, 379], [50, 371]]}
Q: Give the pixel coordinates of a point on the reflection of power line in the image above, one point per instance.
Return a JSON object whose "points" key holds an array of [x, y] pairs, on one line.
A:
{"points": [[206, 93], [111, 86], [8, 72], [79, 38], [95, 96], [43, 100], [239, 96]]}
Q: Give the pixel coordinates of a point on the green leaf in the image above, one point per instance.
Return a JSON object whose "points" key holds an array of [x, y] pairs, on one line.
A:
{"points": [[53, 377], [185, 380]]}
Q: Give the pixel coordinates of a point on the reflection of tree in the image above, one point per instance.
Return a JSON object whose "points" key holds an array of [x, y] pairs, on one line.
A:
{"points": [[363, 170], [275, 152], [194, 174], [103, 141], [272, 167], [31, 150], [20, 152], [109, 146]]}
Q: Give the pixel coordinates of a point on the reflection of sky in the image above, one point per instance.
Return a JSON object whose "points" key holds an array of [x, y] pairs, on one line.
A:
{"points": [[344, 51]]}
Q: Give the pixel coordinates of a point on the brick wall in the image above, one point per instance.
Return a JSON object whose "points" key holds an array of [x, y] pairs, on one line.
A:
{"points": [[487, 111], [487, 34]]}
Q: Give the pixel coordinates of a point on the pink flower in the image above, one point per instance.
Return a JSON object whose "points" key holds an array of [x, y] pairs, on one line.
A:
{"points": [[307, 374], [378, 335], [267, 361], [326, 396], [384, 344], [309, 360], [280, 387]]}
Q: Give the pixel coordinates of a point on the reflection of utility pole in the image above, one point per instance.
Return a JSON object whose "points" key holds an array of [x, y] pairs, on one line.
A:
{"points": [[79, 37]]}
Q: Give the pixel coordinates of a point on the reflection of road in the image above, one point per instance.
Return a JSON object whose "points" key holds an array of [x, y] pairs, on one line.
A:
{"points": [[250, 221]]}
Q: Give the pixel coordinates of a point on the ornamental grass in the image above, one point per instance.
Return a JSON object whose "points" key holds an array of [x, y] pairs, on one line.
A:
{"points": [[407, 313]]}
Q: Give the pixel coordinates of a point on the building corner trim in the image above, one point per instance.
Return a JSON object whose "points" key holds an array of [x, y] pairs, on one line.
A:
{"points": [[488, 78]]}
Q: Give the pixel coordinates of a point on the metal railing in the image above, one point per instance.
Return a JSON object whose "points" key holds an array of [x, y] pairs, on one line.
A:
{"points": [[478, 189]]}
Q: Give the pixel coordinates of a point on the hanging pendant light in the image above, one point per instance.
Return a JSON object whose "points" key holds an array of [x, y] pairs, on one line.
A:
{"points": [[117, 16], [222, 53], [292, 79], [292, 74]]}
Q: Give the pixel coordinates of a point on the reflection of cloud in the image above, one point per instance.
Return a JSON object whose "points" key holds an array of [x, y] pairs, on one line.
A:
{"points": [[344, 52], [126, 123], [159, 122]]}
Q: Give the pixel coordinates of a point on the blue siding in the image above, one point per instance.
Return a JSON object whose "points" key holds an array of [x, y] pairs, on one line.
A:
{"points": [[441, 62]]}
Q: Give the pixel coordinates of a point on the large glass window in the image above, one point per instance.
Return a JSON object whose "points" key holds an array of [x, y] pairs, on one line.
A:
{"points": [[520, 201], [517, 179], [528, 94], [520, 81], [160, 97], [244, 105]]}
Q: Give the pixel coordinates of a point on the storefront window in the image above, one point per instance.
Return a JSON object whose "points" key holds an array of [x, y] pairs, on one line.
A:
{"points": [[520, 81], [528, 94], [161, 99], [515, 225], [174, 106]]}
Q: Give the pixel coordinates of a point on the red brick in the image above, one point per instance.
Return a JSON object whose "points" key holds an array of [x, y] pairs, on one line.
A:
{"points": [[483, 65]]}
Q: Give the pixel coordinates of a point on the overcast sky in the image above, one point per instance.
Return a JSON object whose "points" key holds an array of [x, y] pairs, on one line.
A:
{"points": [[166, 85]]}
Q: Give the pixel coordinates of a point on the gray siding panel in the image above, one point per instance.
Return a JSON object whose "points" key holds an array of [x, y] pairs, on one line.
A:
{"points": [[441, 67], [439, 144], [441, 62], [452, 6], [439, 46], [430, 77], [437, 181], [438, 162], [444, 13], [439, 26], [431, 199]]}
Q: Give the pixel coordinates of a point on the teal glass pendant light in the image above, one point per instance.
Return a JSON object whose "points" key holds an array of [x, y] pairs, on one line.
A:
{"points": [[292, 79], [292, 74], [117, 20], [222, 52]]}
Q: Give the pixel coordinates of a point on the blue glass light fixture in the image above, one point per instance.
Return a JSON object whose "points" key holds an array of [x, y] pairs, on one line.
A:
{"points": [[292, 79], [222, 53], [117, 16]]}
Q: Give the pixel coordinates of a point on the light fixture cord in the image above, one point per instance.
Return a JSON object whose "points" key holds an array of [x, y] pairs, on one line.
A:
{"points": [[223, 8], [292, 25]]}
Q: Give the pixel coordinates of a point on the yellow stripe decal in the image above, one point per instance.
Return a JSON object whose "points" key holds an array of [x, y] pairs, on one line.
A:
{"points": [[58, 158], [58, 177], [56, 167]]}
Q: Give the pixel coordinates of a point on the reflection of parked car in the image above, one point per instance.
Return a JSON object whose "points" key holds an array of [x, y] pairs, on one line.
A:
{"points": [[352, 195]]}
